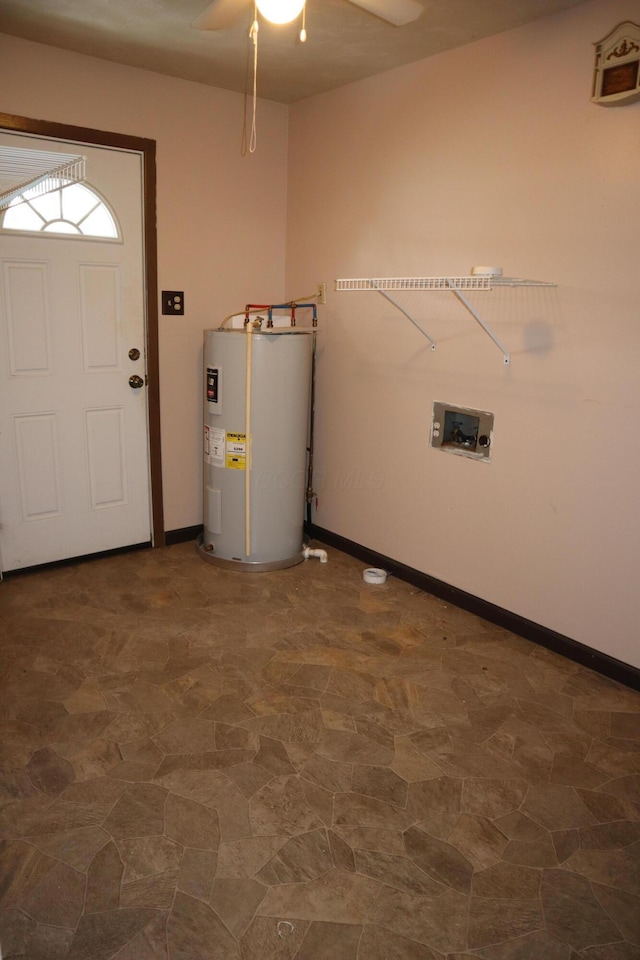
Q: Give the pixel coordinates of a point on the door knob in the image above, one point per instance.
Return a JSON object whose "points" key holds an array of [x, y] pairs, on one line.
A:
{"points": [[135, 381]]}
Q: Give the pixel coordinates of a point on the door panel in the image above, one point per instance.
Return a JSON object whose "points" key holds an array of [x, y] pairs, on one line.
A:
{"points": [[100, 318], [36, 445], [74, 461], [106, 448], [27, 317]]}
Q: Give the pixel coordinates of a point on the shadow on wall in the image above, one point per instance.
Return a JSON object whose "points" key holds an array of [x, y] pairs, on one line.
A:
{"points": [[538, 337]]}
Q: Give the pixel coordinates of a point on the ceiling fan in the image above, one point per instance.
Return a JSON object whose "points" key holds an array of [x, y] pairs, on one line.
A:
{"points": [[221, 13]]}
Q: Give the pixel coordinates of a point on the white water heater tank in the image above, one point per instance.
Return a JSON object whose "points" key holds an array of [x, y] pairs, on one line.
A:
{"points": [[257, 386]]}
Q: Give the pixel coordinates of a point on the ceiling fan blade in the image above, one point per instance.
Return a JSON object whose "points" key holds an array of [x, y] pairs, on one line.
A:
{"points": [[218, 15], [397, 12]]}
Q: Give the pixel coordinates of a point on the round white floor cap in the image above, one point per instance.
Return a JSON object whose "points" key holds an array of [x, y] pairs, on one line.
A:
{"points": [[374, 575]]}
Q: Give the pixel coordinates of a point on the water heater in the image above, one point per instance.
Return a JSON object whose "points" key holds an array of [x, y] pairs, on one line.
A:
{"points": [[257, 386]]}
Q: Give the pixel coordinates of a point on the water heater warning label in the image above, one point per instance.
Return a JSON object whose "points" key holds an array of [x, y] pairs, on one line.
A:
{"points": [[236, 451], [212, 384], [214, 445]]}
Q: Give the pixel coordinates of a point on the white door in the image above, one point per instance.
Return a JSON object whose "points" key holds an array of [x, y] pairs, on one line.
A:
{"points": [[74, 462]]}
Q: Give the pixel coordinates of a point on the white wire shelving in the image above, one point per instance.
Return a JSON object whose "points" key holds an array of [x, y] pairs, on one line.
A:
{"points": [[456, 285]]}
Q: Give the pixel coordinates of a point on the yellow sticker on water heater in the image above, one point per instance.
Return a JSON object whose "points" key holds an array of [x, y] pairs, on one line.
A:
{"points": [[236, 451]]}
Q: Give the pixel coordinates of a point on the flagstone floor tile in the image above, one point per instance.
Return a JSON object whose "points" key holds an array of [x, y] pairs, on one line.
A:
{"points": [[199, 764]]}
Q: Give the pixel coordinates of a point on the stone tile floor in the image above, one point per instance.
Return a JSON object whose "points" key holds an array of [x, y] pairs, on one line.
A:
{"points": [[298, 766]]}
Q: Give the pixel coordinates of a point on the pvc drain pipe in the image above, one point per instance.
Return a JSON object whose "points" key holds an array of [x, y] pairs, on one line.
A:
{"points": [[320, 554]]}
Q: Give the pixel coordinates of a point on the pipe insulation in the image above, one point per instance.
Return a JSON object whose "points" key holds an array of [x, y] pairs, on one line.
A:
{"points": [[247, 436]]}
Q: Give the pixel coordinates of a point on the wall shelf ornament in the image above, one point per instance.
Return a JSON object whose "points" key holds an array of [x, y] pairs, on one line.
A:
{"points": [[616, 79], [482, 278]]}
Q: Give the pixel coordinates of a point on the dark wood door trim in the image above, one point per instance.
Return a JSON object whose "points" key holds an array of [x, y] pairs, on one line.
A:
{"points": [[147, 148]]}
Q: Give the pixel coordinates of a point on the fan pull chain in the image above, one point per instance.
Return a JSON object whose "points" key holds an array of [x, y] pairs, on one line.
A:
{"points": [[303, 31], [253, 35]]}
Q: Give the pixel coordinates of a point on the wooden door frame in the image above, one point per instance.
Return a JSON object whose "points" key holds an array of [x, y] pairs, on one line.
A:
{"points": [[147, 148]]}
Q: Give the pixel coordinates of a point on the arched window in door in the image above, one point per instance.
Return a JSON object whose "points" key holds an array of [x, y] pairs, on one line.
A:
{"points": [[74, 209]]}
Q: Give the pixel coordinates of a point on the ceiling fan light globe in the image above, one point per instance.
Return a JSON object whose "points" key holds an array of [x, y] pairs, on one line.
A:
{"points": [[280, 11]]}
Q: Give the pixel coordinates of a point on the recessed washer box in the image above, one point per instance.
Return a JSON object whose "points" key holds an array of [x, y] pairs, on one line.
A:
{"points": [[461, 430]]}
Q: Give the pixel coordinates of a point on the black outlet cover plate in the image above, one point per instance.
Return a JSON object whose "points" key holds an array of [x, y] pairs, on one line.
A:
{"points": [[173, 302]]}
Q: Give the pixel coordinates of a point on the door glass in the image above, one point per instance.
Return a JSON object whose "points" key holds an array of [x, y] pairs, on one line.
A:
{"points": [[72, 209]]}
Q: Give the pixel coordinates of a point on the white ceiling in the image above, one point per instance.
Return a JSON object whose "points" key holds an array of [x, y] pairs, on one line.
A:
{"points": [[344, 44]]}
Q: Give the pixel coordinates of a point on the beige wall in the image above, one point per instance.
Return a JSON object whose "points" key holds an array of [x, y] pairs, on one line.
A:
{"points": [[490, 154], [221, 217]]}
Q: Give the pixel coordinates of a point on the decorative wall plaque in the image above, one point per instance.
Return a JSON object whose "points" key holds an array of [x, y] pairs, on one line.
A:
{"points": [[616, 79]]}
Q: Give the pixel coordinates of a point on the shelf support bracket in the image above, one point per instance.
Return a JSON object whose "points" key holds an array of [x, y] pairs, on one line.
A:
{"points": [[384, 294], [463, 300]]}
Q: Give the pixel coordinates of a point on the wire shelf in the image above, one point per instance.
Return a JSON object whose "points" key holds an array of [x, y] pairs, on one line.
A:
{"points": [[37, 171], [458, 286], [437, 283], [518, 282]]}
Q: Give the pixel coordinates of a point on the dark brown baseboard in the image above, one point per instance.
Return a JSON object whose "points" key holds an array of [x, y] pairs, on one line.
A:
{"points": [[183, 535], [572, 649]]}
